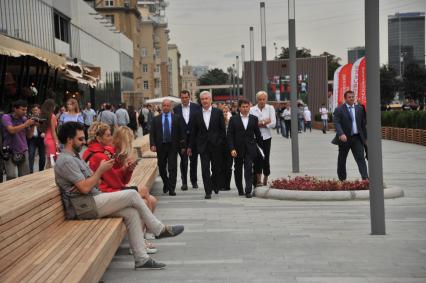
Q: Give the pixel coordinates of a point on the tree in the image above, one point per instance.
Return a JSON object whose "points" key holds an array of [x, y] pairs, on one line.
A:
{"points": [[388, 84], [414, 82], [300, 53], [213, 77], [332, 64]]}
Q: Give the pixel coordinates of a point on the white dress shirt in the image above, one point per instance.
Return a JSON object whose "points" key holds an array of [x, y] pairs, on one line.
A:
{"points": [[185, 112], [206, 116], [245, 120], [268, 112], [352, 113]]}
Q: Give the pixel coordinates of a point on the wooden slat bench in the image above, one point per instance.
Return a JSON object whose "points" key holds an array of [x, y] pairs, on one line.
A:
{"points": [[37, 244], [141, 144]]}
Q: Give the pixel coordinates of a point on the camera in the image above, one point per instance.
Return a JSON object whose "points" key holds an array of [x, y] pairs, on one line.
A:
{"points": [[6, 152], [37, 119]]}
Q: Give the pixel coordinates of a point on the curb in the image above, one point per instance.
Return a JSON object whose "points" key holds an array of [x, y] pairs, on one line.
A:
{"points": [[269, 193]]}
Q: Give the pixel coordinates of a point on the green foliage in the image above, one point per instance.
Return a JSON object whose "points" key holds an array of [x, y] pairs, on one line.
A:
{"points": [[214, 77], [404, 119], [388, 84], [300, 53], [414, 81], [333, 63]]}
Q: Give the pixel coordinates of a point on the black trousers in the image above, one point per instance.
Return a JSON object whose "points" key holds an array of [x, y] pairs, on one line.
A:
{"points": [[33, 145], [354, 144], [167, 166], [227, 168], [287, 128], [263, 165], [193, 164], [247, 161], [211, 163]]}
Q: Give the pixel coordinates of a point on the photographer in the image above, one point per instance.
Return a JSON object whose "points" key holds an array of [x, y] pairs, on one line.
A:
{"points": [[16, 129], [36, 143]]}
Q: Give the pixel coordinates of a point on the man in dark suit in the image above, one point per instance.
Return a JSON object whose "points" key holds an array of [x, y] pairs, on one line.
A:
{"points": [[351, 134], [167, 138], [209, 136], [243, 138], [187, 111]]}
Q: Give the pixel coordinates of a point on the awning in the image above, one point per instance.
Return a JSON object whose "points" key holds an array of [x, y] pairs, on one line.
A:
{"points": [[80, 73], [161, 99], [16, 48]]}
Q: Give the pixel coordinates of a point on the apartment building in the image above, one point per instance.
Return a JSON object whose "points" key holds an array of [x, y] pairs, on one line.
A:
{"points": [[189, 80], [175, 77]]}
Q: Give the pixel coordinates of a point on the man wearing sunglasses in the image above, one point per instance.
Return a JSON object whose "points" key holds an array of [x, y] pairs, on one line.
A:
{"points": [[76, 182]]}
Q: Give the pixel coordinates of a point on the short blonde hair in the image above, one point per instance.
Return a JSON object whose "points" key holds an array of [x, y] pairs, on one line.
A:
{"points": [[97, 129], [123, 140], [260, 93]]}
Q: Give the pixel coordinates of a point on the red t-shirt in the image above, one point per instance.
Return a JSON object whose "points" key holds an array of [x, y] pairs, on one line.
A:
{"points": [[112, 180]]}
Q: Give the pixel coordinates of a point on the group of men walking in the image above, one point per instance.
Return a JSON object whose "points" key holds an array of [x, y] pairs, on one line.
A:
{"points": [[191, 130]]}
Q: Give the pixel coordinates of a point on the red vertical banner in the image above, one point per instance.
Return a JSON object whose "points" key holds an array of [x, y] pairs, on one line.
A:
{"points": [[345, 75], [359, 85]]}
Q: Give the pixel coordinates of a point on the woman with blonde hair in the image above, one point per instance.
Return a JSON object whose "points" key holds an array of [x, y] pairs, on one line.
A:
{"points": [[72, 114]]}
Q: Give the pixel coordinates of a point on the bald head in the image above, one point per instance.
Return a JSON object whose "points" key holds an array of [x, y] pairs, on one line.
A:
{"points": [[166, 105]]}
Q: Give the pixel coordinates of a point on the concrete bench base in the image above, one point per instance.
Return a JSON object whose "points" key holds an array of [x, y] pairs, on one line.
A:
{"points": [[270, 193]]}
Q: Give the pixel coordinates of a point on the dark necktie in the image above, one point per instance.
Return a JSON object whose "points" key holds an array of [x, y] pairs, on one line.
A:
{"points": [[167, 137]]}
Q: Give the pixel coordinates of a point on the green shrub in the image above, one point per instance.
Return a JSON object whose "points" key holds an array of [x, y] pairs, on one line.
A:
{"points": [[404, 119]]}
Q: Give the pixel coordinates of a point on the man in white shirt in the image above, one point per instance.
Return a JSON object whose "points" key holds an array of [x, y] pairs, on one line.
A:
{"points": [[324, 117], [122, 115], [265, 113], [307, 116]]}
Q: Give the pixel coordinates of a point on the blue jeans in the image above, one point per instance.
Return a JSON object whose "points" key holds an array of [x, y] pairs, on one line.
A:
{"points": [[33, 145], [324, 125], [283, 129]]}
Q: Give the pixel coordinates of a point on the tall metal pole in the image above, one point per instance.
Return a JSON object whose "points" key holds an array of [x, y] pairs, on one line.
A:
{"points": [[263, 39], [233, 83], [374, 143], [293, 84], [237, 70], [253, 87], [243, 59]]}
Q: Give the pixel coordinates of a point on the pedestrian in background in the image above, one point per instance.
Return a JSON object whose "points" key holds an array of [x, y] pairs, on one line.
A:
{"points": [[287, 120], [89, 115], [122, 115], [307, 116], [133, 120], [72, 114], [108, 117], [36, 143], [49, 127], [324, 118]]}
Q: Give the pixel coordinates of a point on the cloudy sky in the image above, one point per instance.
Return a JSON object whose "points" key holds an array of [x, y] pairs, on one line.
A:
{"points": [[210, 32]]}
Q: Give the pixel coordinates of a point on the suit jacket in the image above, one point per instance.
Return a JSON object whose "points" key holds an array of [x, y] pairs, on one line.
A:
{"points": [[214, 137], [177, 133], [343, 122], [244, 141], [193, 109]]}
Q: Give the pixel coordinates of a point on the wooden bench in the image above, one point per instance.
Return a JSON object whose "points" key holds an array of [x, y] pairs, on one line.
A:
{"points": [[37, 244], [141, 144]]}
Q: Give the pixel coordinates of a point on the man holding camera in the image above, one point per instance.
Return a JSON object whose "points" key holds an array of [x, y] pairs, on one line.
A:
{"points": [[16, 129]]}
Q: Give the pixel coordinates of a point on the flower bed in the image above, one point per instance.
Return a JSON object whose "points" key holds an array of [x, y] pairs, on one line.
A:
{"points": [[309, 183]]}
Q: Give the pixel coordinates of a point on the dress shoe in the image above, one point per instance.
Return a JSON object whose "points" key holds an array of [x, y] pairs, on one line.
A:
{"points": [[248, 195], [216, 190], [240, 193], [194, 185], [208, 197], [184, 187], [170, 231], [172, 193], [165, 190], [150, 264]]}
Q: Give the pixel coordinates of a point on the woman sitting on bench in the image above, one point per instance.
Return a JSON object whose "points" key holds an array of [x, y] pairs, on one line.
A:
{"points": [[103, 146]]}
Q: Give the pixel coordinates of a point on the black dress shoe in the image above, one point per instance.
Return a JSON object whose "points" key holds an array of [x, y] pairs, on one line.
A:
{"points": [[248, 195], [208, 197], [240, 193], [172, 193], [216, 190], [184, 187], [194, 185], [165, 190]]}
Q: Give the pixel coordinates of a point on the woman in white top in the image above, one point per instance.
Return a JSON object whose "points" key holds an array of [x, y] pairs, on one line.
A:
{"points": [[265, 113]]}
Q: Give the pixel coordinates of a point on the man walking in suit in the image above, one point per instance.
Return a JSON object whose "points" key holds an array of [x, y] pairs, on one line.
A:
{"points": [[187, 111], [208, 136], [167, 138], [243, 138], [350, 123]]}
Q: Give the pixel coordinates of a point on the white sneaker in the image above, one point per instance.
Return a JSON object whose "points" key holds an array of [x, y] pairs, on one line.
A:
{"points": [[149, 236]]}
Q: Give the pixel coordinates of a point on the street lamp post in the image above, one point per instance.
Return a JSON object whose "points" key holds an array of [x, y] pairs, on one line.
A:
{"points": [[253, 87], [263, 41], [243, 57], [275, 47], [233, 82], [237, 70], [293, 84], [374, 143]]}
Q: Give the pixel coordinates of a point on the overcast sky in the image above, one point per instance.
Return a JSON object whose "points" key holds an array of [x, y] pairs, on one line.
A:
{"points": [[210, 32]]}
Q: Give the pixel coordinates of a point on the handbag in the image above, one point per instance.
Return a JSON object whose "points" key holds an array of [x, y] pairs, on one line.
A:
{"points": [[84, 207], [18, 158]]}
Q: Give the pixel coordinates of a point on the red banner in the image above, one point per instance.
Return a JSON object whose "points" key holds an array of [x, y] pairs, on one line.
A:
{"points": [[344, 82], [359, 77]]}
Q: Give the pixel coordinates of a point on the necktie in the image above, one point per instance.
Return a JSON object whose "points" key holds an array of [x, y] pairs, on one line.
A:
{"points": [[167, 137]]}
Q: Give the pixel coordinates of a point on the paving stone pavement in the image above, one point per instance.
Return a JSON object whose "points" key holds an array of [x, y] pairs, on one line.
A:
{"points": [[234, 239]]}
